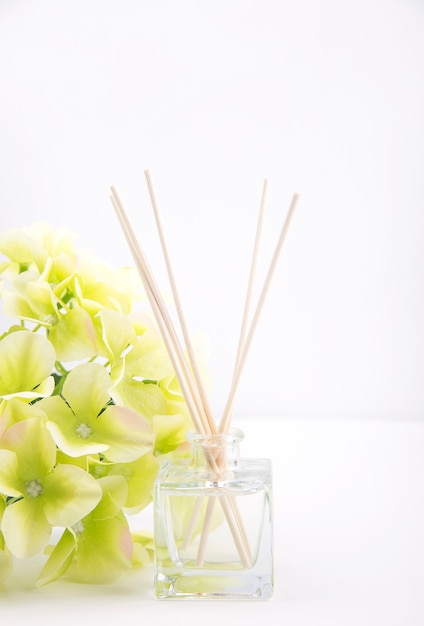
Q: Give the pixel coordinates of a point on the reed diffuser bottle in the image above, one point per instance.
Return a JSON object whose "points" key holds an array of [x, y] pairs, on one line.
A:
{"points": [[213, 523], [213, 510]]}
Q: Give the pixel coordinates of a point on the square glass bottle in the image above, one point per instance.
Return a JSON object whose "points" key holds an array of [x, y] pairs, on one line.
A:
{"points": [[213, 523]]}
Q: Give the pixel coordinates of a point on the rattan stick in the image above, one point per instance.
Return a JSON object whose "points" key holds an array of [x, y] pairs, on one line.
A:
{"points": [[242, 337], [155, 300], [226, 417], [178, 306], [172, 345], [252, 274], [205, 531]]}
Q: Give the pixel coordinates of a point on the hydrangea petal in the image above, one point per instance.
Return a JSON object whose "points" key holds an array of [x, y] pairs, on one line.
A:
{"points": [[19, 246], [143, 550], [170, 431], [139, 474], [74, 446], [148, 358], [141, 481], [26, 360], [59, 559], [104, 551], [148, 399], [25, 527], [63, 427], [11, 484], [102, 287], [63, 269], [41, 293], [70, 494], [117, 332], [126, 432], [26, 300], [44, 389], [74, 336], [86, 389], [115, 492], [34, 447]]}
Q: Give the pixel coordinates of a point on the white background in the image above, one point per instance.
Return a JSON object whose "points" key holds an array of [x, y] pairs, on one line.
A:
{"points": [[325, 98], [349, 546], [322, 97]]}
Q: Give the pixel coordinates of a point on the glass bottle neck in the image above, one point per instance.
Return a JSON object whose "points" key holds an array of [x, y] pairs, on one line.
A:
{"points": [[217, 452]]}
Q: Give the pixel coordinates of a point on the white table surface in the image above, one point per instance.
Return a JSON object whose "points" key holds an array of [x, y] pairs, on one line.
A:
{"points": [[349, 539]]}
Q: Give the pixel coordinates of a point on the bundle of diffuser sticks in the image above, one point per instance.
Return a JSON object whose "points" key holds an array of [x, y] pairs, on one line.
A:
{"points": [[184, 360]]}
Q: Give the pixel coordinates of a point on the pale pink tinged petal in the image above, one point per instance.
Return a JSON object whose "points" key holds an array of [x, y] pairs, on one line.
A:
{"points": [[34, 446], [104, 551], [74, 336], [25, 527], [70, 494], [128, 435]]}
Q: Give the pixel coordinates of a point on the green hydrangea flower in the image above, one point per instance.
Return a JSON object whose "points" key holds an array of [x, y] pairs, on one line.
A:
{"points": [[41, 494], [81, 420], [89, 404], [98, 548]]}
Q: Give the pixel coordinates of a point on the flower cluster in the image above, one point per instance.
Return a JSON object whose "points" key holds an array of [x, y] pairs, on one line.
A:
{"points": [[89, 406]]}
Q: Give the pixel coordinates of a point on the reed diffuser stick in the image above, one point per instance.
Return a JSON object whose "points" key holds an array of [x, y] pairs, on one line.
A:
{"points": [[226, 416], [159, 311], [252, 274], [186, 368], [242, 337], [190, 352], [177, 357]]}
